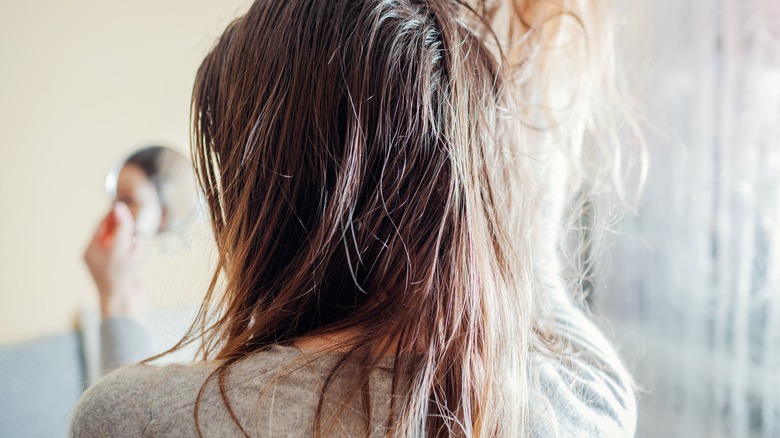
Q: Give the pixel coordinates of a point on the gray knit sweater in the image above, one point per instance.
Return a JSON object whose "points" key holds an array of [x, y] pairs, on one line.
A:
{"points": [[275, 393]]}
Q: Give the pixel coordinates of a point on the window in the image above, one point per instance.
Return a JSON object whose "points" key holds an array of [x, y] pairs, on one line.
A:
{"points": [[695, 278]]}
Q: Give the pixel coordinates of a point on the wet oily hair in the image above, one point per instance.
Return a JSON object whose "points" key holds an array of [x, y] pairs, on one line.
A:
{"points": [[382, 166]]}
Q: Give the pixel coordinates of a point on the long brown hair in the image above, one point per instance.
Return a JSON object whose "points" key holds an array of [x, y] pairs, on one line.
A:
{"points": [[367, 165]]}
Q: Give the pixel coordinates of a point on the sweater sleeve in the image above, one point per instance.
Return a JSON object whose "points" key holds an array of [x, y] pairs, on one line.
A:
{"points": [[585, 391], [123, 341]]}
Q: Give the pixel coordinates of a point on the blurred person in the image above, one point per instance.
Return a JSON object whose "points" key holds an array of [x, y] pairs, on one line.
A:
{"points": [[153, 192], [388, 183], [157, 184]]}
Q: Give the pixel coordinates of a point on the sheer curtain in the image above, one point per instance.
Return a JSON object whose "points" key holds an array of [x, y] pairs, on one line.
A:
{"points": [[694, 282]]}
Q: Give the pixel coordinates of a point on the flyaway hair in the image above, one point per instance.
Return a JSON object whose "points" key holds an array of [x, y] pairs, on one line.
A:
{"points": [[404, 168]]}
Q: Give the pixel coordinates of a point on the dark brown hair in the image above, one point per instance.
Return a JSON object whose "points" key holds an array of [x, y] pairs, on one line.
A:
{"points": [[365, 165]]}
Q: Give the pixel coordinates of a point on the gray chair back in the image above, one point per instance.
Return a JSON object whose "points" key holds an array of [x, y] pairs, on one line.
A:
{"points": [[40, 383]]}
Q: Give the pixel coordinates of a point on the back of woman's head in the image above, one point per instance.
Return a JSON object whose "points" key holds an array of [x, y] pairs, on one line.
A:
{"points": [[363, 162]]}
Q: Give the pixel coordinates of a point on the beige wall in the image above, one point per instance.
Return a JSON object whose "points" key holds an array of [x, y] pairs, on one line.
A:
{"points": [[82, 82]]}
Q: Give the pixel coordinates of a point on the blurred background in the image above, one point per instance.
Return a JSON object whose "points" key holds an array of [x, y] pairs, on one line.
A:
{"points": [[83, 83], [691, 285]]}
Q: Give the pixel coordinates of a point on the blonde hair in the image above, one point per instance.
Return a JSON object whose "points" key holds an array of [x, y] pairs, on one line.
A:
{"points": [[404, 167]]}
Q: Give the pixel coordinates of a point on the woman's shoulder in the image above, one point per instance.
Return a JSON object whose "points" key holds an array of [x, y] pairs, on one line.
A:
{"points": [[576, 398], [156, 400], [584, 389], [119, 404]]}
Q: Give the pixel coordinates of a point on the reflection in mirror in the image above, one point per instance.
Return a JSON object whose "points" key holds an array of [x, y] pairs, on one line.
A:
{"points": [[157, 184], [155, 198]]}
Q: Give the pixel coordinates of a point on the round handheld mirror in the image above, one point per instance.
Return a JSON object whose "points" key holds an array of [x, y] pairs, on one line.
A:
{"points": [[157, 184]]}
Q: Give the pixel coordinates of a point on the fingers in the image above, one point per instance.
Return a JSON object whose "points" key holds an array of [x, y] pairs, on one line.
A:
{"points": [[107, 239], [104, 230], [124, 225], [117, 224], [124, 217], [113, 256]]}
